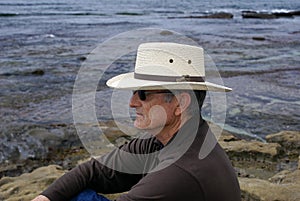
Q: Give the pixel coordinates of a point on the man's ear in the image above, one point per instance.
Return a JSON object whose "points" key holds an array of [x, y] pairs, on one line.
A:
{"points": [[184, 100]]}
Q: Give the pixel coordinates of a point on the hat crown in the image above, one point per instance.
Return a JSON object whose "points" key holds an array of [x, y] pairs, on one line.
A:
{"points": [[170, 59], [167, 65]]}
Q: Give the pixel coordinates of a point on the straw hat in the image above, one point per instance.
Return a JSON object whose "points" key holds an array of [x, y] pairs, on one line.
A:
{"points": [[166, 66]]}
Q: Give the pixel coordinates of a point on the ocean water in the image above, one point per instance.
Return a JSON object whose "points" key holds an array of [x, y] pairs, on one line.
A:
{"points": [[44, 43]]}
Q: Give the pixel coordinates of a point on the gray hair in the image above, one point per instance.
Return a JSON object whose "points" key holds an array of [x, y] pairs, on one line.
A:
{"points": [[197, 99]]}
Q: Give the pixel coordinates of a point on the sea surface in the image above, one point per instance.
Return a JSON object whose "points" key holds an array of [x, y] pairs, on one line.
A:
{"points": [[43, 44]]}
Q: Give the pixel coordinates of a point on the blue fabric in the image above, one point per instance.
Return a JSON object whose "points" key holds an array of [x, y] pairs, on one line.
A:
{"points": [[89, 195]]}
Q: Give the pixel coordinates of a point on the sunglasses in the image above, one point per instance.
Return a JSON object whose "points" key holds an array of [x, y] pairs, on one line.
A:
{"points": [[143, 93]]}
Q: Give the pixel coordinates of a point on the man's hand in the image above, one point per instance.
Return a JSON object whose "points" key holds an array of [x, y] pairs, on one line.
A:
{"points": [[41, 198]]}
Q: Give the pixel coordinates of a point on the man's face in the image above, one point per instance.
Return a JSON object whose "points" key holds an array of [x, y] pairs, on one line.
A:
{"points": [[154, 112]]}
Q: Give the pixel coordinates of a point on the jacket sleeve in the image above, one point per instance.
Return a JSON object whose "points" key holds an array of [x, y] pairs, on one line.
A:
{"points": [[94, 175]]}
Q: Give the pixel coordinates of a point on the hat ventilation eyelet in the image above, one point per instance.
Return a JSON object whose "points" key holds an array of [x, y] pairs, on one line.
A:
{"points": [[189, 61], [171, 60]]}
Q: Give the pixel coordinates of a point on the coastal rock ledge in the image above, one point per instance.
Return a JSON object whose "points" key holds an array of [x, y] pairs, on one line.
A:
{"points": [[267, 171]]}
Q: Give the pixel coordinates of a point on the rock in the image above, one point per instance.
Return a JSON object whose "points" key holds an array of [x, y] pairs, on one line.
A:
{"points": [[251, 158], [28, 185], [221, 15], [255, 162], [254, 152], [38, 72], [166, 33], [258, 38], [296, 12], [289, 141], [295, 32], [128, 13], [279, 177], [45, 145], [282, 14], [254, 14], [258, 189], [283, 186], [82, 58], [273, 15]]}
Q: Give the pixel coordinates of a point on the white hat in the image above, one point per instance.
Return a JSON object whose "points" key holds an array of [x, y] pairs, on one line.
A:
{"points": [[166, 66]]}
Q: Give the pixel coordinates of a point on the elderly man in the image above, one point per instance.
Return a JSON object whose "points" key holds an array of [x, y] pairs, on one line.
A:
{"points": [[169, 88]]}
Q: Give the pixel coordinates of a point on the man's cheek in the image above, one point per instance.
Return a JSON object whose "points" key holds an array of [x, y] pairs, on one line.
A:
{"points": [[157, 116]]}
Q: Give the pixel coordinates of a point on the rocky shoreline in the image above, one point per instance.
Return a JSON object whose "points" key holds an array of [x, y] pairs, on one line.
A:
{"points": [[266, 170]]}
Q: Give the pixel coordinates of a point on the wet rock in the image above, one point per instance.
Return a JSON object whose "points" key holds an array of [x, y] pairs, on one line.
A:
{"points": [[282, 14], [258, 38], [221, 15], [129, 13], [254, 14], [273, 15], [33, 146], [38, 72], [296, 12], [82, 58]]}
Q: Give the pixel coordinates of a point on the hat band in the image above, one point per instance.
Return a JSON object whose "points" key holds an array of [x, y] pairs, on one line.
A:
{"points": [[162, 78]]}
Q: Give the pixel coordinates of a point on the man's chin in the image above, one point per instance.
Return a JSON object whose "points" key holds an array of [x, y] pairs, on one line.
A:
{"points": [[148, 128]]}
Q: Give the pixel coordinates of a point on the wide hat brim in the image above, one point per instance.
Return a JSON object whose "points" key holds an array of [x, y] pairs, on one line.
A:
{"points": [[128, 81]]}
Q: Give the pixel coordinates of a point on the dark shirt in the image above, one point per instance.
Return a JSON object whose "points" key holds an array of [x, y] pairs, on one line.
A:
{"points": [[150, 171]]}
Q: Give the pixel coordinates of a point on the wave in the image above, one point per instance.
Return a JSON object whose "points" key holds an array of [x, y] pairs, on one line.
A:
{"points": [[228, 73], [32, 4], [50, 14]]}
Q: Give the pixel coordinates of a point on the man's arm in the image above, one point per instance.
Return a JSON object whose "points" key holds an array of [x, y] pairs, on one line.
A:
{"points": [[96, 176]]}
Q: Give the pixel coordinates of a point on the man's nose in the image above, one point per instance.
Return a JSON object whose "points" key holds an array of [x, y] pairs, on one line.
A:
{"points": [[134, 100]]}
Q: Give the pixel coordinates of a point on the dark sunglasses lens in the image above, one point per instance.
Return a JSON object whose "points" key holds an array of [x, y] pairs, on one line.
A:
{"points": [[142, 94]]}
